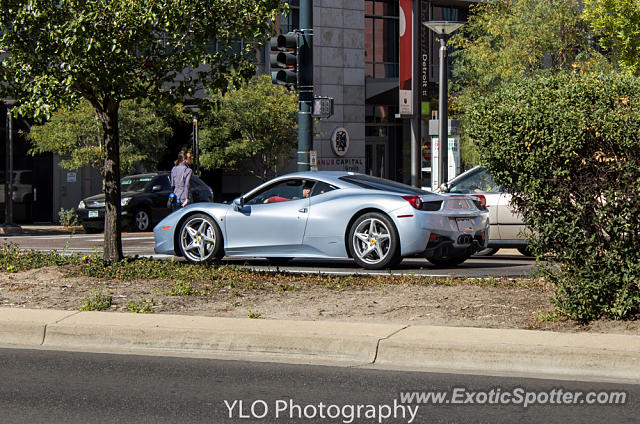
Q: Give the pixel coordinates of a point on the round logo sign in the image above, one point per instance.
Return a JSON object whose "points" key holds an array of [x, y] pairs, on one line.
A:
{"points": [[340, 141]]}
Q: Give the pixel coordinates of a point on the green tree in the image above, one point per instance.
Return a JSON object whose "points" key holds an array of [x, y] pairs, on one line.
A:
{"points": [[76, 134], [107, 51], [506, 40], [252, 128], [617, 23]]}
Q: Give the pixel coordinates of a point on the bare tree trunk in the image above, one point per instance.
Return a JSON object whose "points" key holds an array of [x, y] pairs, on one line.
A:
{"points": [[112, 220]]}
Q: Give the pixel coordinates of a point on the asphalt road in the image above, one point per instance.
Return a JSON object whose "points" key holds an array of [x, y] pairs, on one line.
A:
{"points": [[41, 386], [506, 263]]}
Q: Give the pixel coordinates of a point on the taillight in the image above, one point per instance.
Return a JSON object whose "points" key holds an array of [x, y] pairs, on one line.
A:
{"points": [[415, 201], [482, 199]]}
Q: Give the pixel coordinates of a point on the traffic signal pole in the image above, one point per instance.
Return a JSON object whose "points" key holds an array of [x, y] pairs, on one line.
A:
{"points": [[305, 85]]}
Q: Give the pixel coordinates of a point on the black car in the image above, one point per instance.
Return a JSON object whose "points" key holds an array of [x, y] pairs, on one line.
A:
{"points": [[144, 201]]}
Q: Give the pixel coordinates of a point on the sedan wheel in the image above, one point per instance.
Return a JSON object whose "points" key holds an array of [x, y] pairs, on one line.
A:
{"points": [[142, 220], [373, 242], [200, 239]]}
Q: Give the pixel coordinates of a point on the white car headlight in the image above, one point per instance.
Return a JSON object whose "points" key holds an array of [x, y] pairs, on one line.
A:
{"points": [[125, 201], [81, 205]]}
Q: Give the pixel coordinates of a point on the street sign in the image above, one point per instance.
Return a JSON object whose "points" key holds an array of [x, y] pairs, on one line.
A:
{"points": [[322, 107]]}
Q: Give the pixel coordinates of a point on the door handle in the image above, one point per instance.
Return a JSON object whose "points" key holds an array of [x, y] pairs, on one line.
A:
{"points": [[303, 210]]}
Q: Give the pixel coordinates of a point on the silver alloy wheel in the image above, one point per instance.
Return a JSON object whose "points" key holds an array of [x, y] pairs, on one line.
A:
{"points": [[372, 241], [197, 239], [142, 220]]}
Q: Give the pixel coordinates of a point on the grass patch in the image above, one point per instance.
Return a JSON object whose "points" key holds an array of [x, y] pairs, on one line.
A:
{"points": [[547, 317], [253, 315], [187, 277], [182, 288], [96, 302], [143, 307]]}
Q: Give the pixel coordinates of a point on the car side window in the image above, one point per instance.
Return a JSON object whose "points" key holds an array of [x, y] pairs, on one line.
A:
{"points": [[282, 191], [321, 187], [163, 181], [478, 182]]}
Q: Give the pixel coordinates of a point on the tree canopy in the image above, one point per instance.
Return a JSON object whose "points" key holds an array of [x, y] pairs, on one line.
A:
{"points": [[252, 128], [76, 134], [106, 51], [508, 40], [617, 24]]}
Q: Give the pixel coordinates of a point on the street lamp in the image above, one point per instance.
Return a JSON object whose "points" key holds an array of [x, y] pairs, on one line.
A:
{"points": [[9, 227], [443, 29], [194, 109]]}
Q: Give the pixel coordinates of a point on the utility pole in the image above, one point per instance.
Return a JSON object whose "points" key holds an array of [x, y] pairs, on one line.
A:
{"points": [[305, 85]]}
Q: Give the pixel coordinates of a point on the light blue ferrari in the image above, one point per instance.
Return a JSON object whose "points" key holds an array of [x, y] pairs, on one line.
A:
{"points": [[334, 214]]}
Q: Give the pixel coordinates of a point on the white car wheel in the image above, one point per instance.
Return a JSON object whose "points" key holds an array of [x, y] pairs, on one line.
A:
{"points": [[373, 241], [200, 239]]}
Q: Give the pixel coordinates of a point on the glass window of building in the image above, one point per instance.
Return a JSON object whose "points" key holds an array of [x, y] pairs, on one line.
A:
{"points": [[381, 24]]}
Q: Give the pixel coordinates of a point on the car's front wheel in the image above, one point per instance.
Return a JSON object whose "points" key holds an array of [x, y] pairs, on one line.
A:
{"points": [[142, 220], [374, 242], [200, 239]]}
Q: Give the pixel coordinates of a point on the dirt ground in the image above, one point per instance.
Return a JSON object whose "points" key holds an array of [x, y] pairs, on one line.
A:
{"points": [[457, 305]]}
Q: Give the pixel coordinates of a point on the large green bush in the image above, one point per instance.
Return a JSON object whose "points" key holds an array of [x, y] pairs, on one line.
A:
{"points": [[567, 147]]}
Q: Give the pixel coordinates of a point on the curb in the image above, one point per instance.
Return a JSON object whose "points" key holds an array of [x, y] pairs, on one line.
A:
{"points": [[389, 346]]}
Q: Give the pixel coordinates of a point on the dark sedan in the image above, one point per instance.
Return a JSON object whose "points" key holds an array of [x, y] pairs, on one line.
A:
{"points": [[143, 201]]}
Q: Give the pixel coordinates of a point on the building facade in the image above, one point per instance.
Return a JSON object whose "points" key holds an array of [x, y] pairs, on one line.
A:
{"points": [[356, 61]]}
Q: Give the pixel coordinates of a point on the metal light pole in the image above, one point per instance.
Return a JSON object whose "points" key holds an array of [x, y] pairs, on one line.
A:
{"points": [[443, 29], [9, 227], [196, 147]]}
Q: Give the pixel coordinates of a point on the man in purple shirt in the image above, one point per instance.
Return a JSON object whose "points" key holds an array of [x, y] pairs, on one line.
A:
{"points": [[181, 183]]}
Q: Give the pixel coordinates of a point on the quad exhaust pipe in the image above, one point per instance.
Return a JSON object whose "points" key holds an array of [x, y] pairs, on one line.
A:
{"points": [[465, 239]]}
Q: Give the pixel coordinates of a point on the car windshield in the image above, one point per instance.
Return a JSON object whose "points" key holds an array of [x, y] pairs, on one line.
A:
{"points": [[134, 183], [375, 183], [476, 182]]}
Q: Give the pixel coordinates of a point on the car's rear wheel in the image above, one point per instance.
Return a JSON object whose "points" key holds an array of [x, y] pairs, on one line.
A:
{"points": [[142, 220], [453, 260], [200, 239], [373, 241], [490, 251]]}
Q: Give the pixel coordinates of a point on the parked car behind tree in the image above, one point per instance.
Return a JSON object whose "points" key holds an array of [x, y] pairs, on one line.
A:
{"points": [[143, 201]]}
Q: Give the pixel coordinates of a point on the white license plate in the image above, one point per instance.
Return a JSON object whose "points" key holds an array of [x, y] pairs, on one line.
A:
{"points": [[464, 224], [93, 214]]}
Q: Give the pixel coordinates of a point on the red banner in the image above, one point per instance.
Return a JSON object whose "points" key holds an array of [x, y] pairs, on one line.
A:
{"points": [[406, 57]]}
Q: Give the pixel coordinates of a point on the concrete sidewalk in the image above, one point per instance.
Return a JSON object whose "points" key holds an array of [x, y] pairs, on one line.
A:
{"points": [[599, 357]]}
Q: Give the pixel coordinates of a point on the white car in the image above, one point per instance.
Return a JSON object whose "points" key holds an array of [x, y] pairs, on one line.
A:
{"points": [[507, 228]]}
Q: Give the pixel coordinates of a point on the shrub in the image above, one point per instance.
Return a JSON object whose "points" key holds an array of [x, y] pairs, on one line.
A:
{"points": [[68, 218], [567, 147]]}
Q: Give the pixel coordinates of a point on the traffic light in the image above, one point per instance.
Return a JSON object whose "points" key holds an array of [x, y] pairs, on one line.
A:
{"points": [[284, 59]]}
